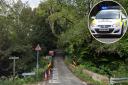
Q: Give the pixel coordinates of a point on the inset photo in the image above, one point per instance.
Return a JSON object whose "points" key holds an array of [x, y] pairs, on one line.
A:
{"points": [[107, 21]]}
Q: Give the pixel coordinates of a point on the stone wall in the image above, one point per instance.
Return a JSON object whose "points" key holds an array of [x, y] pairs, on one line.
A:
{"points": [[97, 77], [94, 76]]}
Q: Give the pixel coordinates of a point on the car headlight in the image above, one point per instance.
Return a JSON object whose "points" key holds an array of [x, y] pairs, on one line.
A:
{"points": [[93, 24], [116, 24]]}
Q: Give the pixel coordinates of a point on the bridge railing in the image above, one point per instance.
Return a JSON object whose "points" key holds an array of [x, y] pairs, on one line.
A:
{"points": [[118, 80]]}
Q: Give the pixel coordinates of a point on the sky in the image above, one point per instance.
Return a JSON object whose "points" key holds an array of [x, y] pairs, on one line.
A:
{"points": [[32, 3]]}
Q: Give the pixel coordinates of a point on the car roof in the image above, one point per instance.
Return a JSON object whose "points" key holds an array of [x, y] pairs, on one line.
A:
{"points": [[112, 10]]}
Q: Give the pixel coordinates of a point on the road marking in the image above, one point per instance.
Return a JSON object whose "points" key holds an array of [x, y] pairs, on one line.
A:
{"points": [[54, 81], [55, 78]]}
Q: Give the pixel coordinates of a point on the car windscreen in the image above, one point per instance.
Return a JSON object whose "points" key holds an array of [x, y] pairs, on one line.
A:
{"points": [[108, 15]]}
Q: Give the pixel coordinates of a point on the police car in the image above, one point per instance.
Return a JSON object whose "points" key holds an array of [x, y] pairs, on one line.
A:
{"points": [[109, 22]]}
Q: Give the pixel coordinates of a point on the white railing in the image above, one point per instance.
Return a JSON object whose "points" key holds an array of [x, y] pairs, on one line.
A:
{"points": [[28, 74], [118, 80]]}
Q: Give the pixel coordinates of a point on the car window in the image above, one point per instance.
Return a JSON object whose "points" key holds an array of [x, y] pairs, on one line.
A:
{"points": [[123, 16], [108, 15]]}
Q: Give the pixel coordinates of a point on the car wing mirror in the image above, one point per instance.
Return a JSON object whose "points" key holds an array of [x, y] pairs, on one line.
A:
{"points": [[93, 17], [124, 17]]}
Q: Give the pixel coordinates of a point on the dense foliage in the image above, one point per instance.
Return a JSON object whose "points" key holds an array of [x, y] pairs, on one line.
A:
{"points": [[109, 59], [19, 35]]}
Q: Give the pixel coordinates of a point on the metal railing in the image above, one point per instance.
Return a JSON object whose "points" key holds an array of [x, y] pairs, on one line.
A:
{"points": [[118, 80]]}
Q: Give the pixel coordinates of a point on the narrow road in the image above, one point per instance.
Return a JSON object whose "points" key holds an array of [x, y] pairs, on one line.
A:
{"points": [[62, 75]]}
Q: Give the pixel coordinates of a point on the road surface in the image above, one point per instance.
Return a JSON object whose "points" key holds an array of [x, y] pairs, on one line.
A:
{"points": [[62, 75], [108, 40]]}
